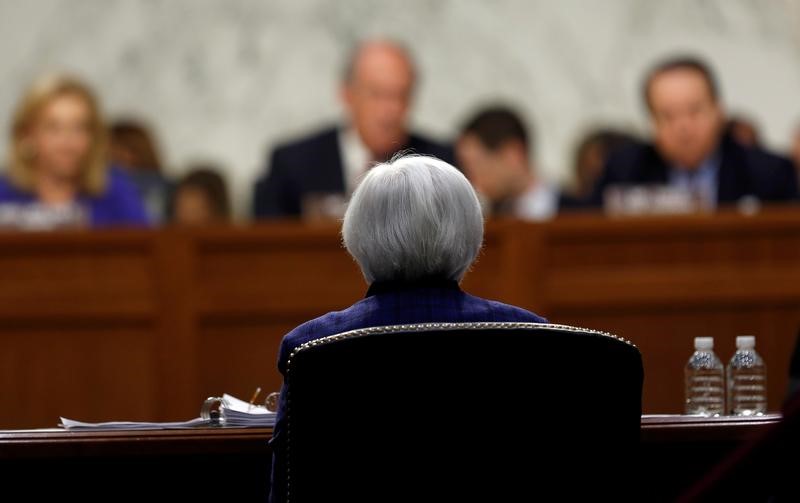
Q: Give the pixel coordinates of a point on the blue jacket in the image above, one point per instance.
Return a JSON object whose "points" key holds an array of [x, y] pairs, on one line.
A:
{"points": [[386, 304], [119, 205]]}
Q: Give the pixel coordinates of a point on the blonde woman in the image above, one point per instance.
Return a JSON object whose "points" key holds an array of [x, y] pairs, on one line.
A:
{"points": [[57, 157]]}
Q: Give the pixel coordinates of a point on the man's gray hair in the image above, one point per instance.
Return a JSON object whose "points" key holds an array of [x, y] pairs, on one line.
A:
{"points": [[411, 218]]}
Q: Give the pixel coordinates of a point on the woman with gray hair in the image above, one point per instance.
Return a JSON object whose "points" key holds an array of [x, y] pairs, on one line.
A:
{"points": [[414, 226]]}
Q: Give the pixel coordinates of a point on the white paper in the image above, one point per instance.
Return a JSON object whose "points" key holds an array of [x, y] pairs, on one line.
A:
{"points": [[230, 402], [71, 424], [236, 412]]}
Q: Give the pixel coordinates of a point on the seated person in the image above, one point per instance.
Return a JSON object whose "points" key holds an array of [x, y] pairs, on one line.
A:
{"points": [[58, 157], [690, 151], [590, 159], [796, 151], [133, 148], [494, 151], [200, 198], [376, 94], [414, 226]]}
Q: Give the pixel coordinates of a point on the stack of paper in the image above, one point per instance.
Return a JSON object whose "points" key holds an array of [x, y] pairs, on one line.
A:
{"points": [[234, 412], [71, 424], [237, 412]]}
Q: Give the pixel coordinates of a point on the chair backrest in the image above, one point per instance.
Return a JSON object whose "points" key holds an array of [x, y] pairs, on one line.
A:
{"points": [[449, 411]]}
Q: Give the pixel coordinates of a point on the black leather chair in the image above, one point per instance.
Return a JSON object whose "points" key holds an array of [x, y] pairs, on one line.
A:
{"points": [[463, 411]]}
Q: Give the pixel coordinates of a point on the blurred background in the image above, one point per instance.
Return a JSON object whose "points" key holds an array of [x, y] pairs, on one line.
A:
{"points": [[225, 81]]}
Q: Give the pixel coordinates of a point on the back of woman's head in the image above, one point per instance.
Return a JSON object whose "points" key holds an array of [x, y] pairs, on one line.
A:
{"points": [[413, 217]]}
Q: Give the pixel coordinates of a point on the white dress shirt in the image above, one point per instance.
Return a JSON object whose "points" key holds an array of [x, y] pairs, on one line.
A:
{"points": [[356, 158]]}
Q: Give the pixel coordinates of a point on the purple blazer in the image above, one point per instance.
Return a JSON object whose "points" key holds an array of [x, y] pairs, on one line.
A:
{"points": [[119, 205], [389, 303]]}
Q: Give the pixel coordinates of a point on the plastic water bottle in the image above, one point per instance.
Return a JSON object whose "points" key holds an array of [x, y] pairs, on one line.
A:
{"points": [[747, 379], [705, 380]]}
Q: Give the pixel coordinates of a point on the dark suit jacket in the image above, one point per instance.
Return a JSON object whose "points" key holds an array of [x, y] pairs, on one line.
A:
{"points": [[391, 303], [314, 165], [742, 172]]}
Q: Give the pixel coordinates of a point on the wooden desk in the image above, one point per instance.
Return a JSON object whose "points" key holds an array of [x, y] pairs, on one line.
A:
{"points": [[167, 465], [61, 444], [144, 325], [677, 451], [193, 463]]}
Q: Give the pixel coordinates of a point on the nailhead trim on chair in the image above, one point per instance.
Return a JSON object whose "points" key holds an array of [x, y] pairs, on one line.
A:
{"points": [[430, 327]]}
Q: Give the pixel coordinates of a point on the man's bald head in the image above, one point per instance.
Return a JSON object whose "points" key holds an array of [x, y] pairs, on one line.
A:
{"points": [[376, 91], [371, 50]]}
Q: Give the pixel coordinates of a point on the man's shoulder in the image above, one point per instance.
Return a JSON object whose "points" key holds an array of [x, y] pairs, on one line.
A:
{"points": [[759, 159], [416, 139], [422, 144], [634, 156], [320, 139], [771, 176], [636, 163]]}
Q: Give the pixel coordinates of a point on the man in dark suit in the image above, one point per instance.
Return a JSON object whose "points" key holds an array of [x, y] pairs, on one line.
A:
{"points": [[690, 150], [376, 93]]}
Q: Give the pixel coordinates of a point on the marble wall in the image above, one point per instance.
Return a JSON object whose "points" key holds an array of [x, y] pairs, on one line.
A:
{"points": [[224, 80]]}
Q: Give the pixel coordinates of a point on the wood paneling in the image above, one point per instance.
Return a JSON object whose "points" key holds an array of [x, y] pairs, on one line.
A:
{"points": [[96, 374], [235, 356], [145, 325]]}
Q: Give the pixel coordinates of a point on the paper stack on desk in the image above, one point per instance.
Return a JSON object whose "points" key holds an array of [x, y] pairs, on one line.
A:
{"points": [[239, 413], [234, 412], [71, 424]]}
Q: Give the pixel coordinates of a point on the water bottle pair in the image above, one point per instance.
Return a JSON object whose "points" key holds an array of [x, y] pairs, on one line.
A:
{"points": [[746, 392]]}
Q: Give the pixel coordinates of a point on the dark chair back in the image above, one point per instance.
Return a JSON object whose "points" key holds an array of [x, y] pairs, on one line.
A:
{"points": [[445, 412]]}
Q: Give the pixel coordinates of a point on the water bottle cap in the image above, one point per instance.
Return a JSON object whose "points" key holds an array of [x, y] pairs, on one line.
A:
{"points": [[704, 343], [745, 342]]}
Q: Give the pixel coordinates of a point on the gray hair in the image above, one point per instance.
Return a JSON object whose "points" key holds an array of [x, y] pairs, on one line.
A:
{"points": [[413, 217]]}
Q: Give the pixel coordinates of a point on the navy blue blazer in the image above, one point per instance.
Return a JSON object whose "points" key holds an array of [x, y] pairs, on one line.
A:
{"points": [[390, 303], [314, 165], [743, 172]]}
